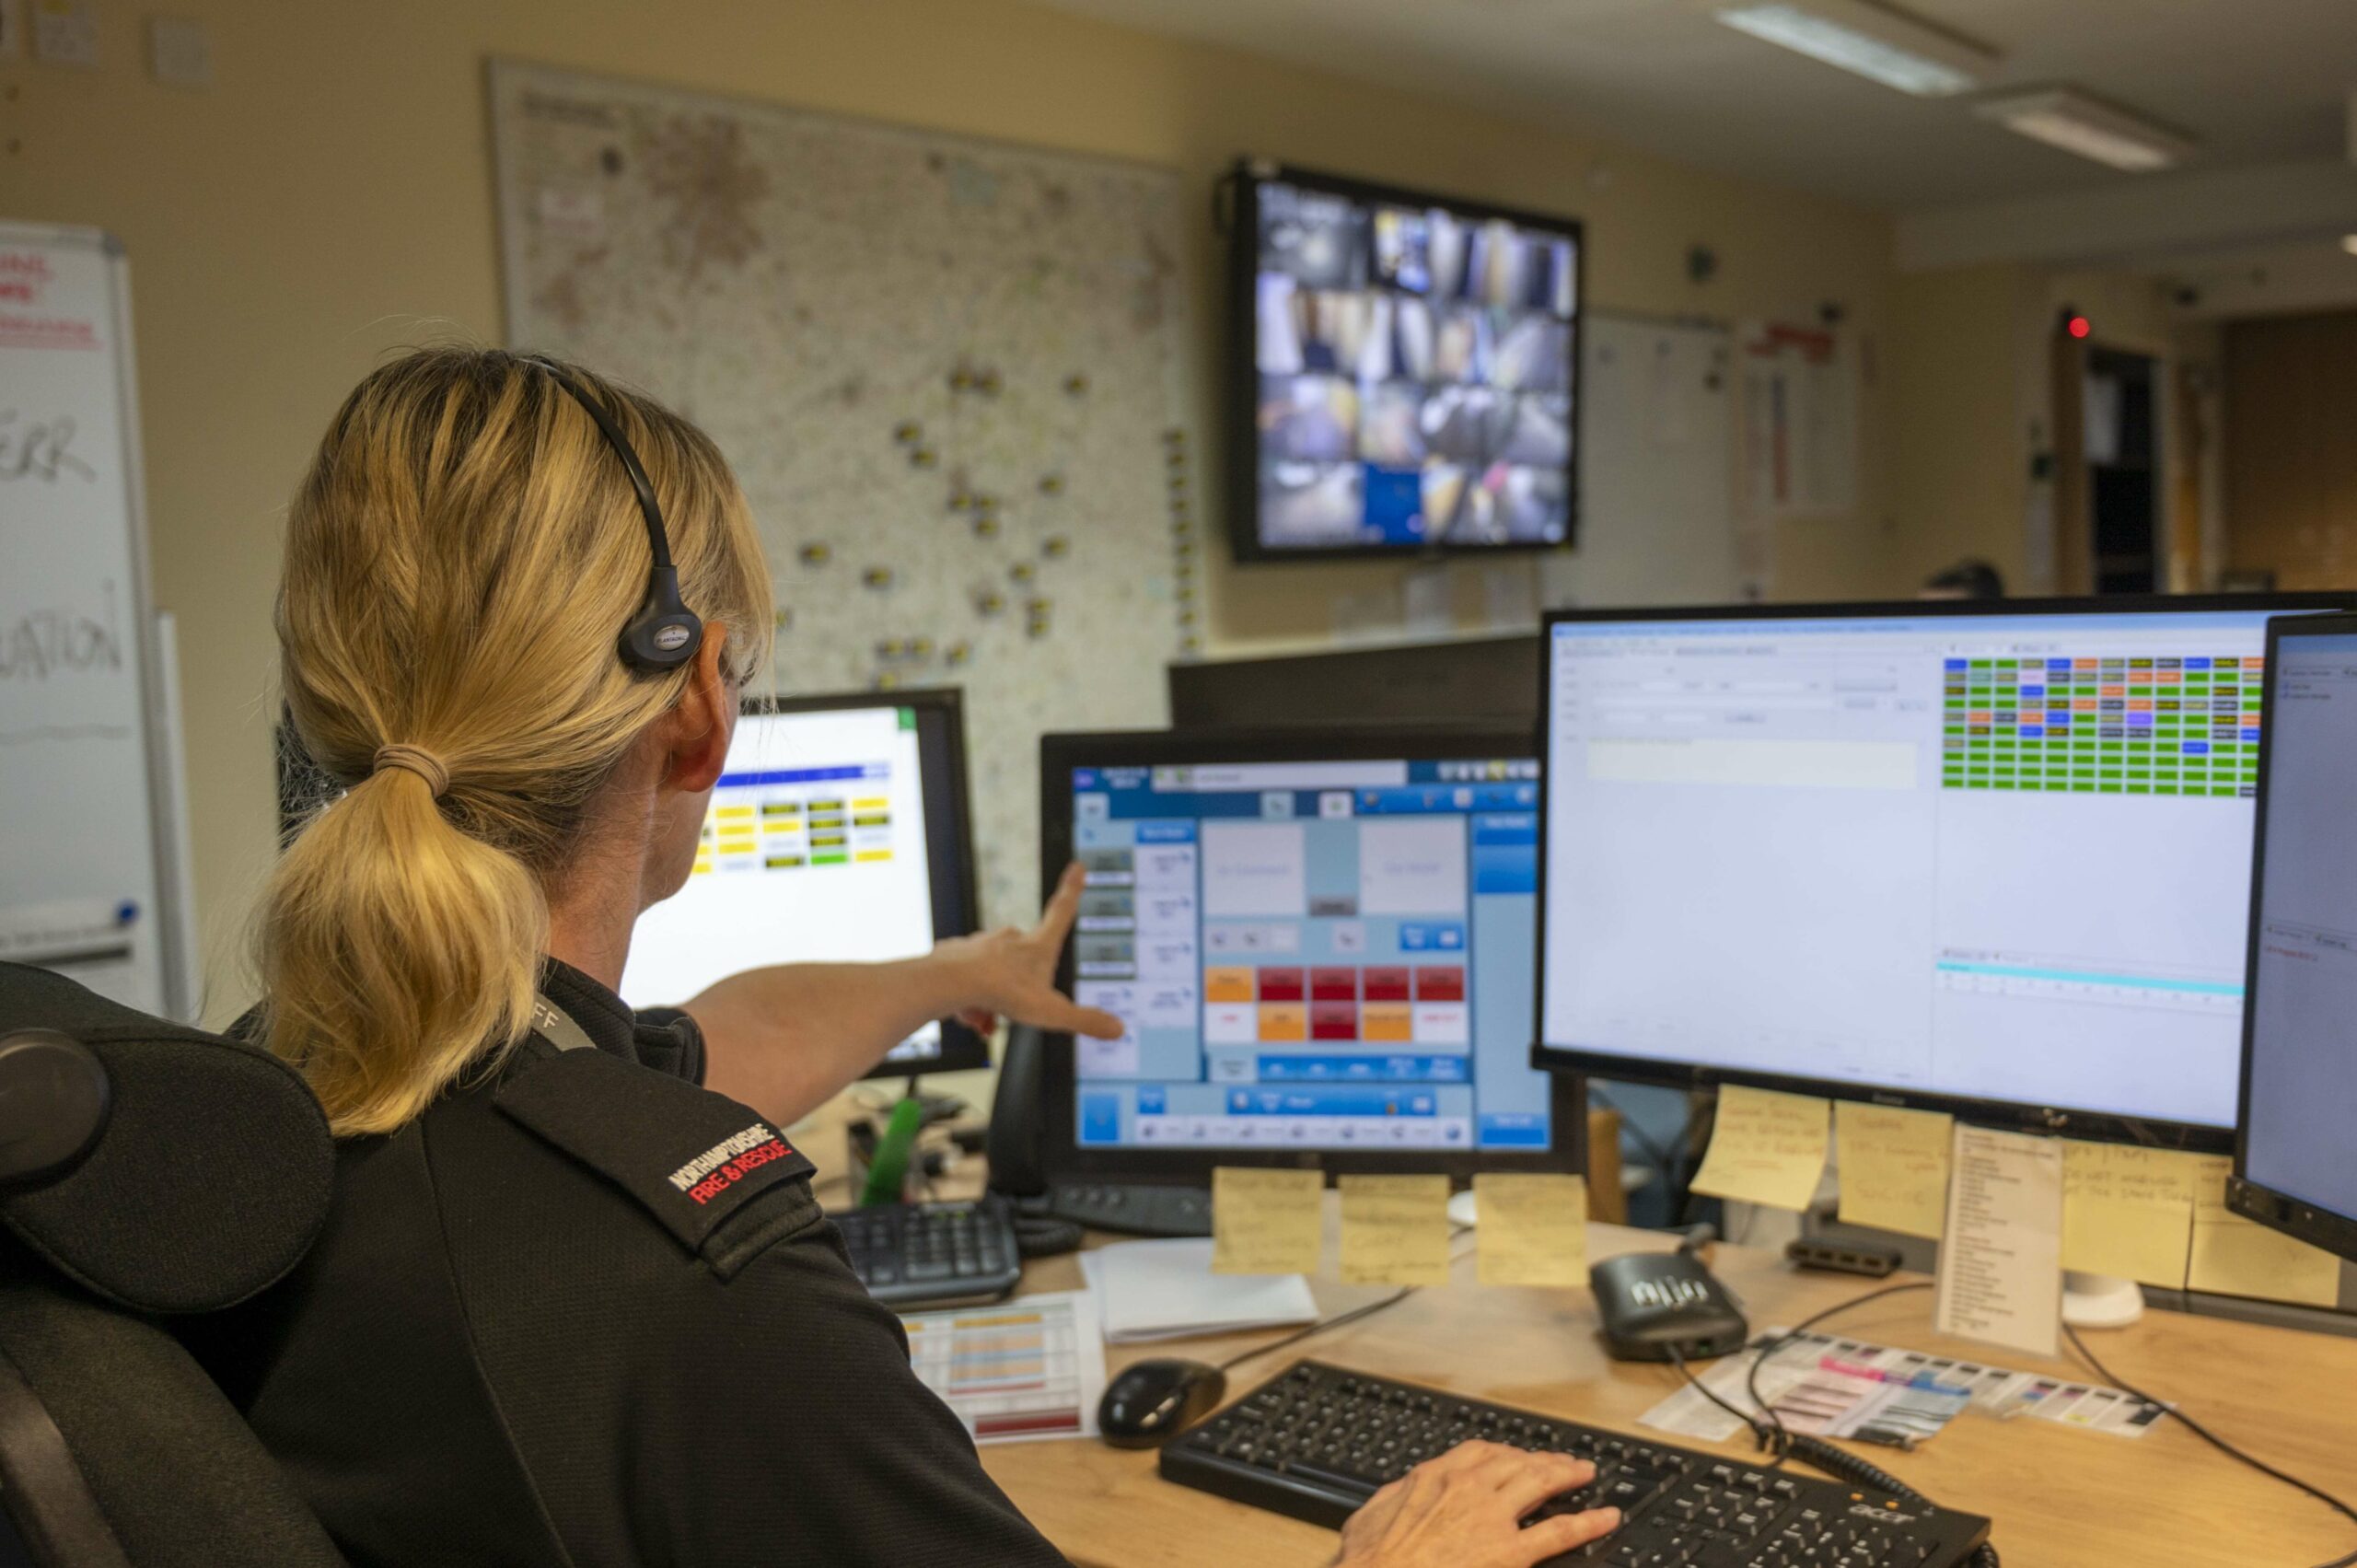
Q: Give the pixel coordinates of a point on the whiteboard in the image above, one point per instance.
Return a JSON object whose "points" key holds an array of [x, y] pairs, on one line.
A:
{"points": [[1658, 517], [91, 882]]}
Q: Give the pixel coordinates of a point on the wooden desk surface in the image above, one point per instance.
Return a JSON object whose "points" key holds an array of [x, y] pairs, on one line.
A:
{"points": [[2060, 1498]]}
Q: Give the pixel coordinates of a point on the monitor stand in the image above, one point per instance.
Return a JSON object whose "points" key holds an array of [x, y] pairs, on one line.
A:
{"points": [[2100, 1301]]}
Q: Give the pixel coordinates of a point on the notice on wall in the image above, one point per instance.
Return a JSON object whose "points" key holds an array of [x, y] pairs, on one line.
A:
{"points": [[1800, 423]]}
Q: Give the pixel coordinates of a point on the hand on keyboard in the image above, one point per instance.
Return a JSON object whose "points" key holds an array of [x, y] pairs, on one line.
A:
{"points": [[1465, 1508]]}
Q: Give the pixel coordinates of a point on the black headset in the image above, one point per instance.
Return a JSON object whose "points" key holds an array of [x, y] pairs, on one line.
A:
{"points": [[667, 632]]}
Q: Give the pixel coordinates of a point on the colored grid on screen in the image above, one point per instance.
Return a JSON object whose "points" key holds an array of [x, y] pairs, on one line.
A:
{"points": [[2125, 725]]}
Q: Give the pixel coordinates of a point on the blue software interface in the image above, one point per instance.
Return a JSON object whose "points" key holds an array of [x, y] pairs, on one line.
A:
{"points": [[1327, 955]]}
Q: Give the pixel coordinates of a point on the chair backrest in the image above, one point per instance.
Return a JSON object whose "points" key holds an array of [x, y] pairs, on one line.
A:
{"points": [[147, 1170]]}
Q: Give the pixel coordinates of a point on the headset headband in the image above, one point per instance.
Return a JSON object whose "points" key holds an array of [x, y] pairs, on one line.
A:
{"points": [[666, 633]]}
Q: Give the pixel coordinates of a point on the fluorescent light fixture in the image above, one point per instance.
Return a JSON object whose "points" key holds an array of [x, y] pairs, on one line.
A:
{"points": [[2349, 243], [1870, 41], [2071, 120]]}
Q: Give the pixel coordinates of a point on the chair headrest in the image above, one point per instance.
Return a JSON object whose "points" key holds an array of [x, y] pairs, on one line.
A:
{"points": [[204, 1175]]}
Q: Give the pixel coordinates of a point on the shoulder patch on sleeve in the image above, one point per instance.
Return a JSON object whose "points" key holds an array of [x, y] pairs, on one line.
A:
{"points": [[690, 1158]]}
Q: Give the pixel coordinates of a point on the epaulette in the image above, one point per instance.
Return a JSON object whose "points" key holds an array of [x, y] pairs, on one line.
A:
{"points": [[693, 1159]]}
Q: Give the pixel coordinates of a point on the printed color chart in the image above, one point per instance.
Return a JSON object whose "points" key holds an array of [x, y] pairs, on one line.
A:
{"points": [[2141, 725]]}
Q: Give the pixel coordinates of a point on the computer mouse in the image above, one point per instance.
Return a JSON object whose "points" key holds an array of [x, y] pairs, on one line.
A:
{"points": [[1149, 1403]]}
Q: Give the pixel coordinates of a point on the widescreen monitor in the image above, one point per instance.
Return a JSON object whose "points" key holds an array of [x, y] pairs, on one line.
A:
{"points": [[1405, 371], [2292, 1165], [838, 832], [1321, 946], [1992, 859]]}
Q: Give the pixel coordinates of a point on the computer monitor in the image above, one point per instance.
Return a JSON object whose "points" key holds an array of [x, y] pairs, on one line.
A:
{"points": [[838, 832], [1322, 945], [2293, 1168], [1989, 859]]}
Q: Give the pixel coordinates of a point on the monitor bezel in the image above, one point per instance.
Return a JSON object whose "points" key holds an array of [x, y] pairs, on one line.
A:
{"points": [[956, 898], [1242, 434], [2076, 1121], [2270, 1206], [1062, 1153]]}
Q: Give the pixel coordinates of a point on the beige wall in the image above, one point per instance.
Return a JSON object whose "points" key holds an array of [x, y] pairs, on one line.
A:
{"points": [[1970, 407], [329, 198]]}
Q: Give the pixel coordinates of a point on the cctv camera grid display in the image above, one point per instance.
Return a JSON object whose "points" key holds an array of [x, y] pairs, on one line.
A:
{"points": [[1415, 375]]}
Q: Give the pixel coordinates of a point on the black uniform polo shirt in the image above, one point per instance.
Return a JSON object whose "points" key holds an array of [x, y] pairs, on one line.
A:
{"points": [[585, 1315]]}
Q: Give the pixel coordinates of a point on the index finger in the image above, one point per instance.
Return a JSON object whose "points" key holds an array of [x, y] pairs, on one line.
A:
{"points": [[1062, 908]]}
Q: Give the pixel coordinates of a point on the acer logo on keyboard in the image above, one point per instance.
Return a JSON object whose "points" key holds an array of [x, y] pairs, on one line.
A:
{"points": [[1884, 1515], [1667, 1294]]}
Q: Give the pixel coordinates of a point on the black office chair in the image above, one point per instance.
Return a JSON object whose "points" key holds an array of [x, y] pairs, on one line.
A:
{"points": [[147, 1170]]}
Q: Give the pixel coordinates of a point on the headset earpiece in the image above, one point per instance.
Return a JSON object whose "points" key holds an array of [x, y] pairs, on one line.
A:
{"points": [[666, 633]]}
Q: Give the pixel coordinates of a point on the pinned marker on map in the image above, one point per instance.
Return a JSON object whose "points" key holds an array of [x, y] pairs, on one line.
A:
{"points": [[1055, 547], [877, 576], [908, 433], [816, 554], [1076, 385], [1052, 484]]}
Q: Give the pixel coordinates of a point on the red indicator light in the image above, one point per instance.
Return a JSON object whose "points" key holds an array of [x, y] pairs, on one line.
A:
{"points": [[2077, 327]]}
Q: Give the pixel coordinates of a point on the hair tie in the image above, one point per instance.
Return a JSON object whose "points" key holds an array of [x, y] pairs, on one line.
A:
{"points": [[417, 759]]}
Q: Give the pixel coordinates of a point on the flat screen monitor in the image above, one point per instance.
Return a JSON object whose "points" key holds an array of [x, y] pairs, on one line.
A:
{"points": [[2292, 1165], [838, 832], [1321, 946], [1992, 859], [1405, 371]]}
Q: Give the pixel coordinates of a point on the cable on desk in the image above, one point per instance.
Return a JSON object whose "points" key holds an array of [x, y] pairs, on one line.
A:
{"points": [[1338, 1320], [1768, 1429], [1783, 1439], [2261, 1466]]}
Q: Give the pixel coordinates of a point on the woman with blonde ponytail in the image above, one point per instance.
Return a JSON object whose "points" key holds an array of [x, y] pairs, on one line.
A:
{"points": [[574, 1305]]}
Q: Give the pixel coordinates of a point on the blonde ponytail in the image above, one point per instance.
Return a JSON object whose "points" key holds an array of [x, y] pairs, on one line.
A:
{"points": [[459, 561]]}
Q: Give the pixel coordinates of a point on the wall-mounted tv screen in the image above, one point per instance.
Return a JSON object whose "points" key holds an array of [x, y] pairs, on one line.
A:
{"points": [[1405, 371]]}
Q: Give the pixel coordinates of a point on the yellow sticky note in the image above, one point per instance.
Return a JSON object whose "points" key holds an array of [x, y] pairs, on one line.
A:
{"points": [[1894, 1166], [2237, 1257], [1267, 1221], [1395, 1230], [1533, 1228], [1768, 1148], [2127, 1211]]}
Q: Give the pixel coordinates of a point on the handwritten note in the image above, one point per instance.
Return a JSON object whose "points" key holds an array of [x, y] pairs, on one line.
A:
{"points": [[2127, 1211], [2001, 1259], [1267, 1221], [2237, 1257], [1395, 1230], [1894, 1166], [1768, 1148], [1533, 1229]]}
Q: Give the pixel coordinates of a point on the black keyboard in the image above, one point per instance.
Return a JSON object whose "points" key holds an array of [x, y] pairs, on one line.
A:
{"points": [[932, 1254], [1317, 1441]]}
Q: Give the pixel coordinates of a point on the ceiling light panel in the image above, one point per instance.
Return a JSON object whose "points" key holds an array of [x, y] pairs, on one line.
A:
{"points": [[2071, 120], [1869, 41]]}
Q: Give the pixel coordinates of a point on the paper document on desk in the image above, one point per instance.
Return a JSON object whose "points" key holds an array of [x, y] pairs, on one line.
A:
{"points": [[1165, 1290], [1027, 1368], [1832, 1387], [2000, 1264]]}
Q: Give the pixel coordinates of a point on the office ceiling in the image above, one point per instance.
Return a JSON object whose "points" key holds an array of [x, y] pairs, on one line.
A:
{"points": [[2255, 81]]}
